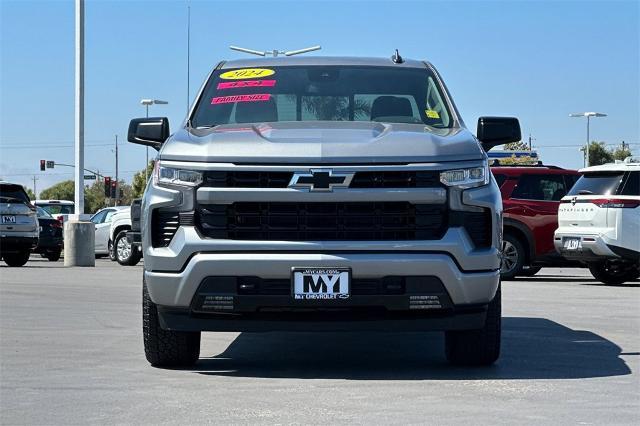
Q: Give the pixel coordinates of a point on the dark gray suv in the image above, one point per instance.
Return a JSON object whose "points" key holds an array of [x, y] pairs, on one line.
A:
{"points": [[322, 193]]}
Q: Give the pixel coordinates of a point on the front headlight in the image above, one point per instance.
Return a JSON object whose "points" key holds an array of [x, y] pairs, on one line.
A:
{"points": [[466, 178], [172, 176]]}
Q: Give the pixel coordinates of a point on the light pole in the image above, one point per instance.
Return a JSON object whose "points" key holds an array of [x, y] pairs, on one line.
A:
{"points": [[588, 115], [146, 103]]}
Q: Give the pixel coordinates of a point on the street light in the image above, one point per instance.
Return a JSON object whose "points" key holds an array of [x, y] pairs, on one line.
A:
{"points": [[146, 103], [588, 115]]}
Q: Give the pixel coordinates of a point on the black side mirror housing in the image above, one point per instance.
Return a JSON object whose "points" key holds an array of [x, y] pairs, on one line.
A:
{"points": [[152, 131], [494, 131]]}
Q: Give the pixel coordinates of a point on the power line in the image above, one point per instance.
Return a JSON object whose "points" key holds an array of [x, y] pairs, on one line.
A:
{"points": [[48, 146], [55, 142]]}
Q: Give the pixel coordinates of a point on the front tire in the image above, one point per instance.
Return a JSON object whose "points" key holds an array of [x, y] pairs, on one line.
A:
{"points": [[513, 256], [126, 254], [477, 347], [16, 260], [166, 348], [614, 273]]}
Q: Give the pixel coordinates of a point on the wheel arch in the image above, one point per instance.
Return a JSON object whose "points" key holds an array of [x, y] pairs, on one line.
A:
{"points": [[118, 229], [522, 233]]}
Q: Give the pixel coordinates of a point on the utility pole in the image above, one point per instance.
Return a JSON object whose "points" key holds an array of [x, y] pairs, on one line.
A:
{"points": [[79, 236], [529, 141], [79, 100], [188, 51], [35, 194], [117, 182]]}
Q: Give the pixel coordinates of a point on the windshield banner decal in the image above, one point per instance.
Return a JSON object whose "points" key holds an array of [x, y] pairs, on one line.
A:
{"points": [[241, 98], [246, 83]]}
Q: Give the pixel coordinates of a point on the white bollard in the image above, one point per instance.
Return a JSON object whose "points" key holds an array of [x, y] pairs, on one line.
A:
{"points": [[79, 243]]}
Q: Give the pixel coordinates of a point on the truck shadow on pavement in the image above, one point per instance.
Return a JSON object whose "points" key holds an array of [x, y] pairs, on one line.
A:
{"points": [[581, 280], [532, 348]]}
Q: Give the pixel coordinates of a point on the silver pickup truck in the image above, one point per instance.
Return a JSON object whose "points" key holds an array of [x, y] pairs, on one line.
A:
{"points": [[322, 194]]}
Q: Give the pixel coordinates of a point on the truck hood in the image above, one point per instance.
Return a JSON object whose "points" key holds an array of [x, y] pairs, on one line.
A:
{"points": [[322, 142]]}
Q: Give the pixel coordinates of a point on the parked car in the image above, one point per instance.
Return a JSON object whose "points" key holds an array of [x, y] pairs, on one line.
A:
{"points": [[50, 241], [599, 222], [122, 250], [102, 220], [316, 194], [530, 198], [18, 224], [59, 209]]}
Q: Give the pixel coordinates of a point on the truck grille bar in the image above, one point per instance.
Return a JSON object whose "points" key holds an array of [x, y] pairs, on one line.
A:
{"points": [[322, 221], [372, 179]]}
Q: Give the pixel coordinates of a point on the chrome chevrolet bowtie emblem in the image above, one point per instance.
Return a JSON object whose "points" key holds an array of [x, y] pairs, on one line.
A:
{"points": [[321, 180]]}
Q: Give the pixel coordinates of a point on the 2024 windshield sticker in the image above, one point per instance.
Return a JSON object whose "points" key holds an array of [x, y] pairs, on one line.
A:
{"points": [[246, 73]]}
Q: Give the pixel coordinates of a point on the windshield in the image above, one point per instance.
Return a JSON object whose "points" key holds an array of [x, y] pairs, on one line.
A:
{"points": [[602, 183], [42, 212], [328, 93], [55, 209]]}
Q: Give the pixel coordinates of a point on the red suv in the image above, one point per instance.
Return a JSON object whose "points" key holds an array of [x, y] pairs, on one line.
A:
{"points": [[531, 196]]}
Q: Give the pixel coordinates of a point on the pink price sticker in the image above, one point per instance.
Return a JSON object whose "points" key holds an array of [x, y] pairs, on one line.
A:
{"points": [[246, 83], [241, 98]]}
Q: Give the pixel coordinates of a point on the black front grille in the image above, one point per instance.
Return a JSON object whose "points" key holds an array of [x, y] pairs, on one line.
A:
{"points": [[240, 179], [396, 179], [271, 179], [365, 221]]}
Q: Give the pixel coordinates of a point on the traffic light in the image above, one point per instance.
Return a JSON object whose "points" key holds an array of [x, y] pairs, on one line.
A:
{"points": [[113, 188], [43, 164], [107, 186]]}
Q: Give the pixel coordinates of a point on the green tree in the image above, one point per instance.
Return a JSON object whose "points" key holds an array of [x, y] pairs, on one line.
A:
{"points": [[621, 152], [29, 192], [598, 154], [60, 191], [94, 198], [139, 184], [517, 161], [126, 193]]}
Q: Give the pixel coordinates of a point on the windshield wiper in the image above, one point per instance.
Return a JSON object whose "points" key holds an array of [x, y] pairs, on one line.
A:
{"points": [[4, 197], [585, 192]]}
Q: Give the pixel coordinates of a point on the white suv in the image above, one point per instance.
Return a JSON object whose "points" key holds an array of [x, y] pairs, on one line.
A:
{"points": [[599, 222]]}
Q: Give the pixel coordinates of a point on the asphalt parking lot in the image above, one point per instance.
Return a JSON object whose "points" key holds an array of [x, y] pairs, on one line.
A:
{"points": [[71, 353]]}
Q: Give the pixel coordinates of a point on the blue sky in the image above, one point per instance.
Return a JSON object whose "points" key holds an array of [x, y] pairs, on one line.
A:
{"points": [[535, 60]]}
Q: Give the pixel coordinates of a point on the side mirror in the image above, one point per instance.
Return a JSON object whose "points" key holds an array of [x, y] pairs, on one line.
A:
{"points": [[494, 131], [149, 131]]}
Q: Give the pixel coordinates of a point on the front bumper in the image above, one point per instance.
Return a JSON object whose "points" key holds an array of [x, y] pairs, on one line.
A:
{"points": [[177, 289]]}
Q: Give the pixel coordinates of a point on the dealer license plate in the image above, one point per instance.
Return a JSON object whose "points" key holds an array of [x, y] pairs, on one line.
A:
{"points": [[571, 243], [8, 219], [321, 283]]}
